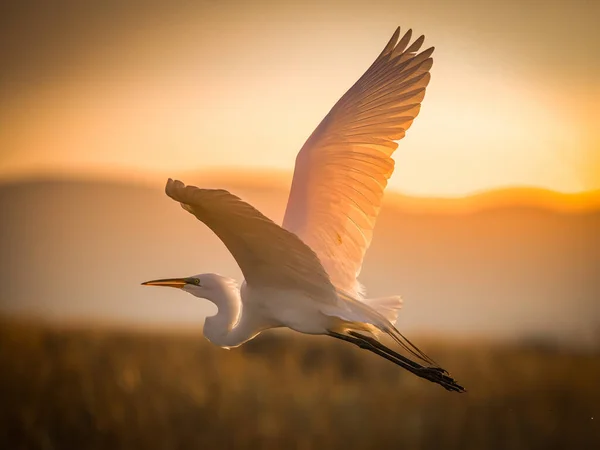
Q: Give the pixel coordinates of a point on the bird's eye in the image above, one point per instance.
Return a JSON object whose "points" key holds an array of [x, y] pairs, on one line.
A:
{"points": [[197, 281]]}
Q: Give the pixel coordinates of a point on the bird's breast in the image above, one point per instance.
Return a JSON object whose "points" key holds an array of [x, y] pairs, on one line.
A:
{"points": [[290, 309]]}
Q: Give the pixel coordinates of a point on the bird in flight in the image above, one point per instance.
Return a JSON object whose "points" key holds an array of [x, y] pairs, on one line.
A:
{"points": [[303, 274]]}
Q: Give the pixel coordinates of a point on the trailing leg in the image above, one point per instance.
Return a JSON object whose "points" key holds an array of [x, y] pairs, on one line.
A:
{"points": [[433, 374]]}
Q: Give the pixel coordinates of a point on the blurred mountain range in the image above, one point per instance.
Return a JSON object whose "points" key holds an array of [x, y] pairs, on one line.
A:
{"points": [[513, 264]]}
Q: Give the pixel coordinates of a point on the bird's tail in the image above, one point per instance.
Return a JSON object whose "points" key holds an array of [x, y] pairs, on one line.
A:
{"points": [[373, 313], [388, 307], [373, 318]]}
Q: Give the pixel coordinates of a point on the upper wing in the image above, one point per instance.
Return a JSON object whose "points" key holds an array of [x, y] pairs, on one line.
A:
{"points": [[343, 168], [267, 254]]}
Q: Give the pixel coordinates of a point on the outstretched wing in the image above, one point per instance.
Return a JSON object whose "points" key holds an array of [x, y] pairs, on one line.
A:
{"points": [[343, 168], [267, 254]]}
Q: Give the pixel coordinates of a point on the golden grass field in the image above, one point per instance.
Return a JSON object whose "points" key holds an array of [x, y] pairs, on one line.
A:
{"points": [[102, 388]]}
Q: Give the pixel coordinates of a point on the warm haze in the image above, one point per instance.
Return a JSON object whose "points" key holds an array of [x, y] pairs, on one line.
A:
{"points": [[488, 229], [224, 95]]}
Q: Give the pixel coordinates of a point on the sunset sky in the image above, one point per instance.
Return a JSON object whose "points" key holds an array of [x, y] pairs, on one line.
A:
{"points": [[145, 90], [152, 89]]}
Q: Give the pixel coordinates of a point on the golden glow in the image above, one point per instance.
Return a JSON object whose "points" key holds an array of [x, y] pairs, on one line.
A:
{"points": [[226, 88]]}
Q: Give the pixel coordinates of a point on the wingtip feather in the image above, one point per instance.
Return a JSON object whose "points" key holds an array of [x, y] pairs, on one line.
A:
{"points": [[416, 45], [172, 185], [392, 43]]}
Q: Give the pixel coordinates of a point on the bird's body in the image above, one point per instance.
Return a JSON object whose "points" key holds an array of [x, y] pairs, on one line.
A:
{"points": [[243, 313], [303, 275]]}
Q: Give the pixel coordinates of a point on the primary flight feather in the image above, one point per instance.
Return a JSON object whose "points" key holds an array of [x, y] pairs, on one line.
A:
{"points": [[303, 274]]}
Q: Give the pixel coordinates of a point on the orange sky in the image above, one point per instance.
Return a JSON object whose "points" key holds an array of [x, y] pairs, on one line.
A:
{"points": [[157, 90]]}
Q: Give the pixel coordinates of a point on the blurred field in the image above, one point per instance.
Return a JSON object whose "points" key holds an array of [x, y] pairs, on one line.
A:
{"points": [[100, 389]]}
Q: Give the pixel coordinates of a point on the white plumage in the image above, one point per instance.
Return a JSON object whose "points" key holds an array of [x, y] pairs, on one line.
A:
{"points": [[303, 274]]}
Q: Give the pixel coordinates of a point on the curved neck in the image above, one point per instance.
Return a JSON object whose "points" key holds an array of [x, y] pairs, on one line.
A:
{"points": [[223, 328]]}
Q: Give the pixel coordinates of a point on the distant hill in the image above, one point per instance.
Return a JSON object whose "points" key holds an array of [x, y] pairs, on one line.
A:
{"points": [[486, 265], [490, 199]]}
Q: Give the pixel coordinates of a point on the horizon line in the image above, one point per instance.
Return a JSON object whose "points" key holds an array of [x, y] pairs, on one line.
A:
{"points": [[501, 196]]}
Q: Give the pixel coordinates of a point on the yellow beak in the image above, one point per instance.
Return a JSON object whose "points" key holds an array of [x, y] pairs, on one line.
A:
{"points": [[169, 282]]}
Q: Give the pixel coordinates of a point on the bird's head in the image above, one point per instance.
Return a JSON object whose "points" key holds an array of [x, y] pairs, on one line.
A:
{"points": [[198, 285]]}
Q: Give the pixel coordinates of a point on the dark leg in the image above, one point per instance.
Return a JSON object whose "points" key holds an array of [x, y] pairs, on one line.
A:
{"points": [[365, 344], [375, 343], [433, 374]]}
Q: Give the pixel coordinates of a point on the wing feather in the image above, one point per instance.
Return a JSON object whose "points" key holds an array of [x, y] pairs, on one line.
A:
{"points": [[267, 254], [343, 168]]}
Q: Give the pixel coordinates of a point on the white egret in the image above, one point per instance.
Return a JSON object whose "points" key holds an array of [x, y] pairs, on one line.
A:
{"points": [[303, 274]]}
